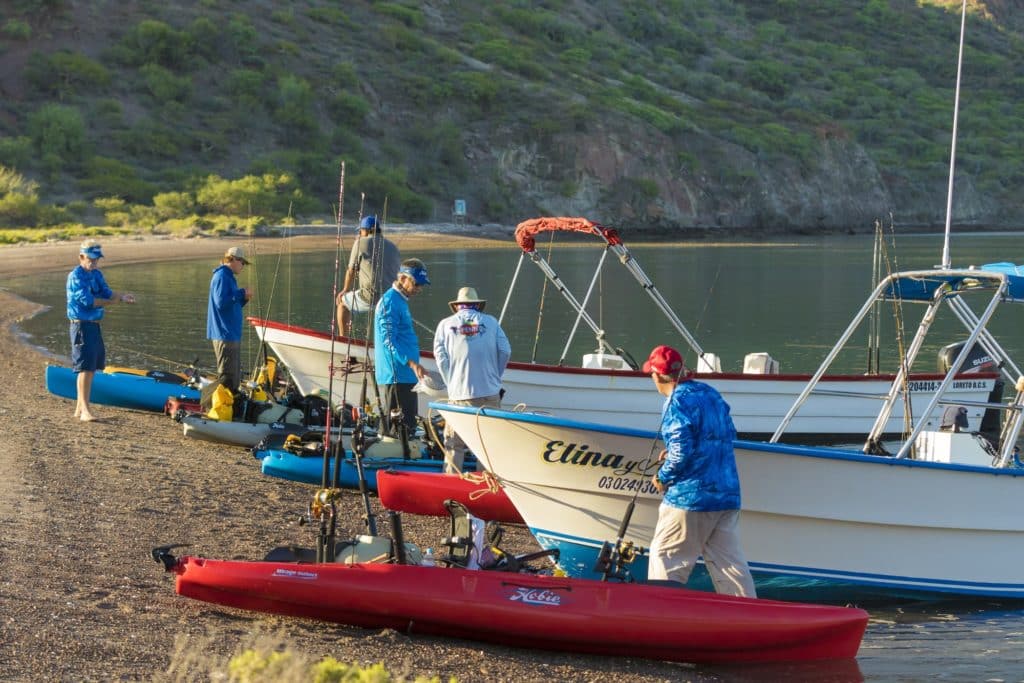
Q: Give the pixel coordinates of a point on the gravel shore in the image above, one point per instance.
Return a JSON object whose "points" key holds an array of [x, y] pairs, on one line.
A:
{"points": [[82, 504]]}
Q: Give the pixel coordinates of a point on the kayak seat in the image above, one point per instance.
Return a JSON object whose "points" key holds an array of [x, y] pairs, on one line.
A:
{"points": [[473, 544], [459, 543], [507, 562]]}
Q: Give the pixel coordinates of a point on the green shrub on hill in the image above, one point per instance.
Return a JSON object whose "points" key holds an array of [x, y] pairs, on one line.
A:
{"points": [[65, 73], [59, 132], [16, 29]]}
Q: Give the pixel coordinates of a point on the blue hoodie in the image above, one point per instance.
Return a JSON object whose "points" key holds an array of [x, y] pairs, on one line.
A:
{"points": [[83, 288], [224, 312], [700, 468]]}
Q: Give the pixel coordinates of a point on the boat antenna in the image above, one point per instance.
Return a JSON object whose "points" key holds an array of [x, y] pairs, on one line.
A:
{"points": [[952, 152], [613, 559]]}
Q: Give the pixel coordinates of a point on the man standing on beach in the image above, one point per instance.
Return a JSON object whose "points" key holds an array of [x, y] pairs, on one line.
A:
{"points": [[88, 296], [224, 317], [471, 351], [698, 477], [372, 265], [396, 349]]}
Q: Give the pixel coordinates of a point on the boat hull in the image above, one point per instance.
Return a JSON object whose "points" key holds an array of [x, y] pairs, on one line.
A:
{"points": [[813, 519], [524, 610], [843, 410], [424, 493], [120, 389]]}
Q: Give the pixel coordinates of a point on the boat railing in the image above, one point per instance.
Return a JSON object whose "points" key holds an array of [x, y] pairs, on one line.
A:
{"points": [[932, 288]]}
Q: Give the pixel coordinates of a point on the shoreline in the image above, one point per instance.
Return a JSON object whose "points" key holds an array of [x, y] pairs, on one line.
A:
{"points": [[82, 505]]}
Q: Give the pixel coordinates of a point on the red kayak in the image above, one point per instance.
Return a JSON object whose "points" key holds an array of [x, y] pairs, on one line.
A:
{"points": [[527, 610], [424, 493]]}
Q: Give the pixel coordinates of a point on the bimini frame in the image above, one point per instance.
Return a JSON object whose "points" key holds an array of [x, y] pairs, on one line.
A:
{"points": [[935, 288], [525, 234]]}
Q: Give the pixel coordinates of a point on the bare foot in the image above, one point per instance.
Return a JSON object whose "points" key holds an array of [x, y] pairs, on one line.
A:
{"points": [[88, 417]]}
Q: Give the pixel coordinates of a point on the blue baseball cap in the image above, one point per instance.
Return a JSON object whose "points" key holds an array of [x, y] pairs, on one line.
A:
{"points": [[417, 273], [92, 251], [369, 223]]}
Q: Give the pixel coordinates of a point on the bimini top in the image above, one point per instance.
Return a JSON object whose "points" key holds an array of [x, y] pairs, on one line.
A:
{"points": [[526, 230], [924, 284]]}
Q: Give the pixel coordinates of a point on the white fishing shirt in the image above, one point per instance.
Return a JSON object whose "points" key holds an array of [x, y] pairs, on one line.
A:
{"points": [[471, 351]]}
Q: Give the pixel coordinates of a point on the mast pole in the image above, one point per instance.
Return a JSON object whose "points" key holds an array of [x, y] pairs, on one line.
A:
{"points": [[952, 152]]}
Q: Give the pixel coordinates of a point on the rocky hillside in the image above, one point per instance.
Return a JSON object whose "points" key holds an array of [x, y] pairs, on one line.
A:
{"points": [[696, 114]]}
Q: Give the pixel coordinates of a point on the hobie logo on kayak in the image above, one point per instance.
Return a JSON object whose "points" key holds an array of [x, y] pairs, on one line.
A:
{"points": [[536, 596], [571, 454], [295, 574]]}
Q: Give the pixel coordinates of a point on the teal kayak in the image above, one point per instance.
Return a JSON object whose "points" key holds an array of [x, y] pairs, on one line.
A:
{"points": [[124, 388]]}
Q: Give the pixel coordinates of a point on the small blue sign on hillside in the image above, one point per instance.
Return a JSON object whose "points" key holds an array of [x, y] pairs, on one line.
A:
{"points": [[460, 207]]}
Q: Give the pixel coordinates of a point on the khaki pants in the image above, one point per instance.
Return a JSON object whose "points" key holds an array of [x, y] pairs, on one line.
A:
{"points": [[453, 443], [680, 536]]}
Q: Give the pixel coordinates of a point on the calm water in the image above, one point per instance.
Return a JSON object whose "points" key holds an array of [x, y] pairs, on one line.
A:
{"points": [[791, 299]]}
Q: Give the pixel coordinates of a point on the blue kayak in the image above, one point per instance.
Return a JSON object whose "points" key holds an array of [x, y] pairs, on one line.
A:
{"points": [[307, 465], [309, 469], [127, 388]]}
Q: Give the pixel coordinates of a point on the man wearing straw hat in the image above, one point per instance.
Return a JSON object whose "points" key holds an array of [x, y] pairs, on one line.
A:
{"points": [[471, 351], [224, 317], [698, 477]]}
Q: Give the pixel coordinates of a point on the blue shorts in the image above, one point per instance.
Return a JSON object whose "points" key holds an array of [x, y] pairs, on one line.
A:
{"points": [[87, 350]]}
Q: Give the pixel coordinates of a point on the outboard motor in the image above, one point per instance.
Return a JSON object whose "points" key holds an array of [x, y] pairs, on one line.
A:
{"points": [[978, 360]]}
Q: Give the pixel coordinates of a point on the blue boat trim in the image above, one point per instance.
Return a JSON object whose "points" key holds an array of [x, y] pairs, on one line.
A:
{"points": [[580, 554], [827, 453]]}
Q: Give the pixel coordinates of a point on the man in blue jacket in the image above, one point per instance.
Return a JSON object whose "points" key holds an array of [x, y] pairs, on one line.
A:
{"points": [[224, 317], [698, 477], [396, 349], [88, 296]]}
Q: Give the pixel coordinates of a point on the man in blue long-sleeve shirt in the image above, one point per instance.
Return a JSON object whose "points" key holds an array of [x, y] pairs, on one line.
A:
{"points": [[88, 296], [701, 507], [224, 317], [396, 350]]}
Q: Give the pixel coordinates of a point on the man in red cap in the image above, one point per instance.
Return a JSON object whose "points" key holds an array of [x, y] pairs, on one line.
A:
{"points": [[701, 508]]}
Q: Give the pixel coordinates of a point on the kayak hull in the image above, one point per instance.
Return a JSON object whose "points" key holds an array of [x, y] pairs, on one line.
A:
{"points": [[120, 389], [424, 493], [532, 611]]}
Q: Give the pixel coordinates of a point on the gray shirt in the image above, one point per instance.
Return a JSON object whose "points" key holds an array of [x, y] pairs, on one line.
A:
{"points": [[378, 261]]}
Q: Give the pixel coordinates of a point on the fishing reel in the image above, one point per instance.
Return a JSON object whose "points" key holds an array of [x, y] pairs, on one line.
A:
{"points": [[613, 561], [322, 507]]}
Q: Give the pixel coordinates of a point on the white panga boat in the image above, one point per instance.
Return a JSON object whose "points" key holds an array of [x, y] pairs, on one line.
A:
{"points": [[608, 390], [940, 515]]}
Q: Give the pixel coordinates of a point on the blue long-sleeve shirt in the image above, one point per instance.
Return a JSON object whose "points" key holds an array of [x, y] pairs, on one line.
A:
{"points": [[699, 470], [83, 288], [471, 351], [395, 341], [224, 311]]}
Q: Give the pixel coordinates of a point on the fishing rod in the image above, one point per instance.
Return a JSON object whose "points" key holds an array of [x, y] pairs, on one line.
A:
{"points": [[270, 301], [398, 412], [359, 431], [613, 558], [324, 500]]}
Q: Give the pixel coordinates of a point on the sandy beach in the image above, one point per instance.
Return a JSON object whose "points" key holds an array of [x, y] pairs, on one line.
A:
{"points": [[82, 504]]}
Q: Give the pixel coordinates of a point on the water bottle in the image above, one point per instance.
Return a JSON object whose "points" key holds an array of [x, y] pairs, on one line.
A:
{"points": [[428, 558]]}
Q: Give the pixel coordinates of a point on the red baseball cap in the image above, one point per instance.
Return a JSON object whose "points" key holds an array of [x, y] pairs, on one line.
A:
{"points": [[664, 360]]}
